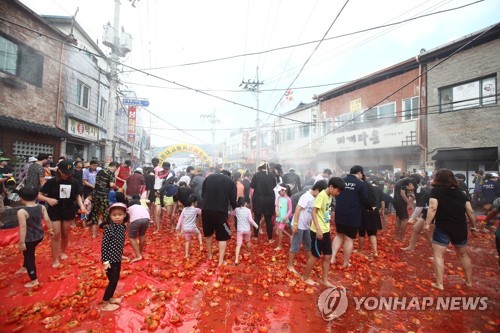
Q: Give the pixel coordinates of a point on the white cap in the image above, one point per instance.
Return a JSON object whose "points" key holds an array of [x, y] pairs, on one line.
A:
{"points": [[32, 159], [493, 175], [139, 170]]}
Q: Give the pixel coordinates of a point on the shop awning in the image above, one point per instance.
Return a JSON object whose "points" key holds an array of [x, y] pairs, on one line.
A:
{"points": [[28, 126], [482, 154]]}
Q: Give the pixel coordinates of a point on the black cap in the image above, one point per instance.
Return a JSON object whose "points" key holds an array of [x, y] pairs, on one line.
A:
{"points": [[355, 169], [66, 167]]}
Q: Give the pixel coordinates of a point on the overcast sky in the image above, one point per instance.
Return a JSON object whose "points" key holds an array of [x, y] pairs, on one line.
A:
{"points": [[174, 41]]}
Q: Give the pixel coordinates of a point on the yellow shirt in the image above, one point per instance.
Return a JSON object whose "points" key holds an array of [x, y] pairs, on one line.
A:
{"points": [[322, 203]]}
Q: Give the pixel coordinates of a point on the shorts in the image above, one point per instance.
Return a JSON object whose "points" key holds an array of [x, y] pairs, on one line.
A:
{"points": [[401, 209], [321, 246], [301, 236], [213, 221], [167, 201], [442, 238], [242, 235], [350, 232], [188, 233], [370, 232], [282, 225], [138, 228], [61, 215]]}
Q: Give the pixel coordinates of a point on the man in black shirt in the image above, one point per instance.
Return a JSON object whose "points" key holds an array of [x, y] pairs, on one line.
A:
{"points": [[218, 192]]}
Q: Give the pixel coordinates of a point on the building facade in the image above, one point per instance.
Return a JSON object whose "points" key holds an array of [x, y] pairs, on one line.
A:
{"points": [[86, 92], [376, 121], [31, 85], [463, 112]]}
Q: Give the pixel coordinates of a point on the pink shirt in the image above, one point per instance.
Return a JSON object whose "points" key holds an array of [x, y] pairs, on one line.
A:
{"points": [[137, 212]]}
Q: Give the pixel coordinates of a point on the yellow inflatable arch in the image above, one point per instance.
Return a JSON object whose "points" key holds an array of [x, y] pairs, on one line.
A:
{"points": [[185, 147]]}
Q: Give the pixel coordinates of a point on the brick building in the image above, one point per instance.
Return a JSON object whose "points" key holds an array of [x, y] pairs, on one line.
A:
{"points": [[374, 121], [31, 82], [463, 111]]}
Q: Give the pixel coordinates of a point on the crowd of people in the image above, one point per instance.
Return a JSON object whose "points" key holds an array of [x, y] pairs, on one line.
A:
{"points": [[121, 199]]}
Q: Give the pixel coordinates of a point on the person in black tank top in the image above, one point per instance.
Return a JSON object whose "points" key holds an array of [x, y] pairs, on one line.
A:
{"points": [[31, 231]]}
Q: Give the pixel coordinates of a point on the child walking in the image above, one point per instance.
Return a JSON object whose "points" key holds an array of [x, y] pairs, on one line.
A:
{"points": [[113, 242], [320, 231], [31, 231], [139, 224], [283, 212], [187, 220], [244, 218]]}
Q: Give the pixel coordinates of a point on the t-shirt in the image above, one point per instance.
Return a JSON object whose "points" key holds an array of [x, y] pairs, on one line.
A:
{"points": [[187, 219], [243, 219], [138, 212], [102, 182], [323, 203], [422, 197], [35, 172], [284, 208], [306, 201], [450, 214], [64, 191], [400, 185]]}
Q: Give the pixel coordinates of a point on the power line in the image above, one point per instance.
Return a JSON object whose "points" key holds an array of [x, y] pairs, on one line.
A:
{"points": [[310, 56], [315, 41]]}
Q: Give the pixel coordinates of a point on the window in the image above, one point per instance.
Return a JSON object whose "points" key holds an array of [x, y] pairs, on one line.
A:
{"points": [[8, 56], [304, 131], [22, 61], [103, 108], [468, 95], [289, 134], [327, 126], [386, 111], [410, 108], [346, 118], [82, 95]]}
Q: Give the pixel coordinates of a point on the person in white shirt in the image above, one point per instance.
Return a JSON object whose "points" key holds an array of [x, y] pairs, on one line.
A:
{"points": [[302, 223], [325, 175]]}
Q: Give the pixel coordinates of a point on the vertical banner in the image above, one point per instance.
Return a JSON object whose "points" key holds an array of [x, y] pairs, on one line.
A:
{"points": [[132, 116]]}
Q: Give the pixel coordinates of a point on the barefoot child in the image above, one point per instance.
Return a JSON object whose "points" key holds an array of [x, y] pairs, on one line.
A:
{"points": [[302, 223], [283, 212], [244, 218], [187, 220], [139, 224], [320, 230], [31, 231], [113, 241]]}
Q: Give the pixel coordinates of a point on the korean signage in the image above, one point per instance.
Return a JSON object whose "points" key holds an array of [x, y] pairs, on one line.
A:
{"points": [[355, 105], [131, 122], [370, 138], [83, 130], [135, 102], [244, 140]]}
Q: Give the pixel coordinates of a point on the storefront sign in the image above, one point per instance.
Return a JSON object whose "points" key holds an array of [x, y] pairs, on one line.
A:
{"points": [[395, 135], [132, 116], [82, 130]]}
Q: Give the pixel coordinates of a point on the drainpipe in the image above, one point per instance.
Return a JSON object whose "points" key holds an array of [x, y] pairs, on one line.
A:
{"points": [[421, 128], [59, 89]]}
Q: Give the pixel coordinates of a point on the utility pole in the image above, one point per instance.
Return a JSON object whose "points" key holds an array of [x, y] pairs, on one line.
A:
{"points": [[212, 118], [253, 86], [118, 49]]}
